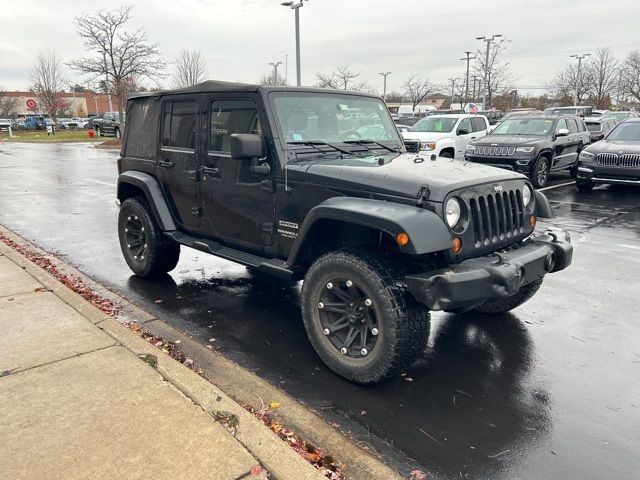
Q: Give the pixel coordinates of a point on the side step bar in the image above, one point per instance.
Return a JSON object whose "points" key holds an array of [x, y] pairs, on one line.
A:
{"points": [[278, 268]]}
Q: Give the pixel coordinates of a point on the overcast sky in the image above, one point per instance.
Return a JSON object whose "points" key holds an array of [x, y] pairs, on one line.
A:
{"points": [[427, 37]]}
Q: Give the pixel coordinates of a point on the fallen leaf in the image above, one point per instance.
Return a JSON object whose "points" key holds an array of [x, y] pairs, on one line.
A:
{"points": [[363, 412], [158, 301], [418, 475], [257, 470], [212, 340], [274, 405], [408, 379]]}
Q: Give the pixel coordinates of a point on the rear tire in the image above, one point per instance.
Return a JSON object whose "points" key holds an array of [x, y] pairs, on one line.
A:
{"points": [[117, 133], [506, 304], [98, 132], [360, 317], [144, 247], [540, 172]]}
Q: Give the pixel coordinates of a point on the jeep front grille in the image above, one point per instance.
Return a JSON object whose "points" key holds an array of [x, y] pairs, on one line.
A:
{"points": [[495, 217], [495, 151], [615, 160]]}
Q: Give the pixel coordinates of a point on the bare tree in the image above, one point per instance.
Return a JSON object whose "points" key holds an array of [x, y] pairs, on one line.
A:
{"points": [[343, 78], [499, 79], [48, 81], [190, 68], [416, 89], [563, 86], [602, 72], [123, 57], [271, 79], [8, 105], [631, 75]]}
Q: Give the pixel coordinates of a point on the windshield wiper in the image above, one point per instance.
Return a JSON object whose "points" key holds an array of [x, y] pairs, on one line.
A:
{"points": [[314, 143], [364, 141]]}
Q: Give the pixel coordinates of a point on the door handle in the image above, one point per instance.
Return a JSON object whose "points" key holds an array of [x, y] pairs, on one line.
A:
{"points": [[210, 171], [166, 163]]}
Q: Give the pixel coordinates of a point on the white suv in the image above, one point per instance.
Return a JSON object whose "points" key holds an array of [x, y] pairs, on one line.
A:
{"points": [[445, 135]]}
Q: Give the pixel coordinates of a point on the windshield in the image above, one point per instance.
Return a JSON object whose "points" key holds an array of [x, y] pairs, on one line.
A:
{"points": [[628, 131], [435, 124], [332, 117], [524, 126], [594, 127]]}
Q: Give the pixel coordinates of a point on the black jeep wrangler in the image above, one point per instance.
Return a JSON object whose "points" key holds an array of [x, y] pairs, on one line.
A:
{"points": [[314, 184], [534, 145]]}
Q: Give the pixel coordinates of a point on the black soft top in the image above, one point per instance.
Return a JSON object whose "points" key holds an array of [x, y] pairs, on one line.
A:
{"points": [[213, 86]]}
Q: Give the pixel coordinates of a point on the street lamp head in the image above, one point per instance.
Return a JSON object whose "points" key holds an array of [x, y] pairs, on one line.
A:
{"points": [[480, 38], [497, 35], [286, 4]]}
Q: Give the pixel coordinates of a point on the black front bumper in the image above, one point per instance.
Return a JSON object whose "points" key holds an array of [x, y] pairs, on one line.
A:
{"points": [[477, 280], [612, 175]]}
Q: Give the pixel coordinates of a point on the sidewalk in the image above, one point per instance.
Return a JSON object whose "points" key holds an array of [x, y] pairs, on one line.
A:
{"points": [[76, 402]]}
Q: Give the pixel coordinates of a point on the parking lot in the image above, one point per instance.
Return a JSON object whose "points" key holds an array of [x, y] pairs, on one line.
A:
{"points": [[549, 391]]}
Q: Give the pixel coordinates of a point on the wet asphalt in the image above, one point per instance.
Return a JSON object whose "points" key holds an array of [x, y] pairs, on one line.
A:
{"points": [[551, 391]]}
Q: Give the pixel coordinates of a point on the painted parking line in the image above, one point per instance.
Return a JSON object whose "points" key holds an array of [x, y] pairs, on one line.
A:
{"points": [[556, 186]]}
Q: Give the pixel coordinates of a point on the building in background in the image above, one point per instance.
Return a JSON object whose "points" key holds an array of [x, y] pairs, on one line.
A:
{"points": [[76, 104]]}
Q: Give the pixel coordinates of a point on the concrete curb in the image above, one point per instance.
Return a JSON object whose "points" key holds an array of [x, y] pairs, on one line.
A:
{"points": [[239, 384]]}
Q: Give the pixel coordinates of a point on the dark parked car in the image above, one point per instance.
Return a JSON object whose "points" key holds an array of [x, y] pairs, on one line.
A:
{"points": [[533, 145], [268, 177], [599, 127], [109, 125], [408, 121], [615, 160]]}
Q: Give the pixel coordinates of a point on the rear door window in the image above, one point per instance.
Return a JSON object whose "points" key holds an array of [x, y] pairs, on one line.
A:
{"points": [[573, 127], [562, 124], [179, 124]]}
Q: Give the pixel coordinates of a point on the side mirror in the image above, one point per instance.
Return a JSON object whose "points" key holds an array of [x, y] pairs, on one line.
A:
{"points": [[246, 146], [463, 131], [563, 132]]}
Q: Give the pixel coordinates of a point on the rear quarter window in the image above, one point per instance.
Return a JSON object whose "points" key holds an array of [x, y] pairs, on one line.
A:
{"points": [[141, 128]]}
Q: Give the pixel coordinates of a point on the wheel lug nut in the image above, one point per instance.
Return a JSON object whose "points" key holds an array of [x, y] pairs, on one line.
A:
{"points": [[142, 229], [128, 246], [343, 351], [135, 218], [320, 305], [374, 331], [329, 285], [368, 302], [142, 257], [126, 230], [349, 283], [364, 351], [145, 245], [326, 331]]}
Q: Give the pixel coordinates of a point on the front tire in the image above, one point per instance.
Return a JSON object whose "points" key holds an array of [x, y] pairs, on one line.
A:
{"points": [[584, 186], [540, 172], [360, 317], [117, 133], [503, 305], [145, 249], [98, 131], [446, 154]]}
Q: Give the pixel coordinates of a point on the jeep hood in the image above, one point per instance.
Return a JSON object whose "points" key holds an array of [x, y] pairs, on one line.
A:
{"points": [[400, 175], [510, 140]]}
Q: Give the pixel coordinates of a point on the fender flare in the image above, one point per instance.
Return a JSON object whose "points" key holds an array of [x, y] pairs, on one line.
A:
{"points": [[152, 192], [543, 207], [427, 231]]}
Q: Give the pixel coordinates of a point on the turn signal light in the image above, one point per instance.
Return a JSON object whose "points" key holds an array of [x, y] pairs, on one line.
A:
{"points": [[456, 245], [402, 239], [532, 221]]}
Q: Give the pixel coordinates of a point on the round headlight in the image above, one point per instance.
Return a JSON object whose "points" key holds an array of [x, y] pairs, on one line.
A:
{"points": [[527, 195], [452, 212]]}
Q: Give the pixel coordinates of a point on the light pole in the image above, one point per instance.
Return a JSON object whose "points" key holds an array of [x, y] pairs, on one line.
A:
{"points": [[475, 79], [384, 88], [579, 57], [488, 41], [296, 7], [453, 86], [467, 59], [275, 71]]}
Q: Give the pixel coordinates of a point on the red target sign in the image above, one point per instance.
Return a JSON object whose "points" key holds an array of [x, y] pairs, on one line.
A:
{"points": [[31, 104]]}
